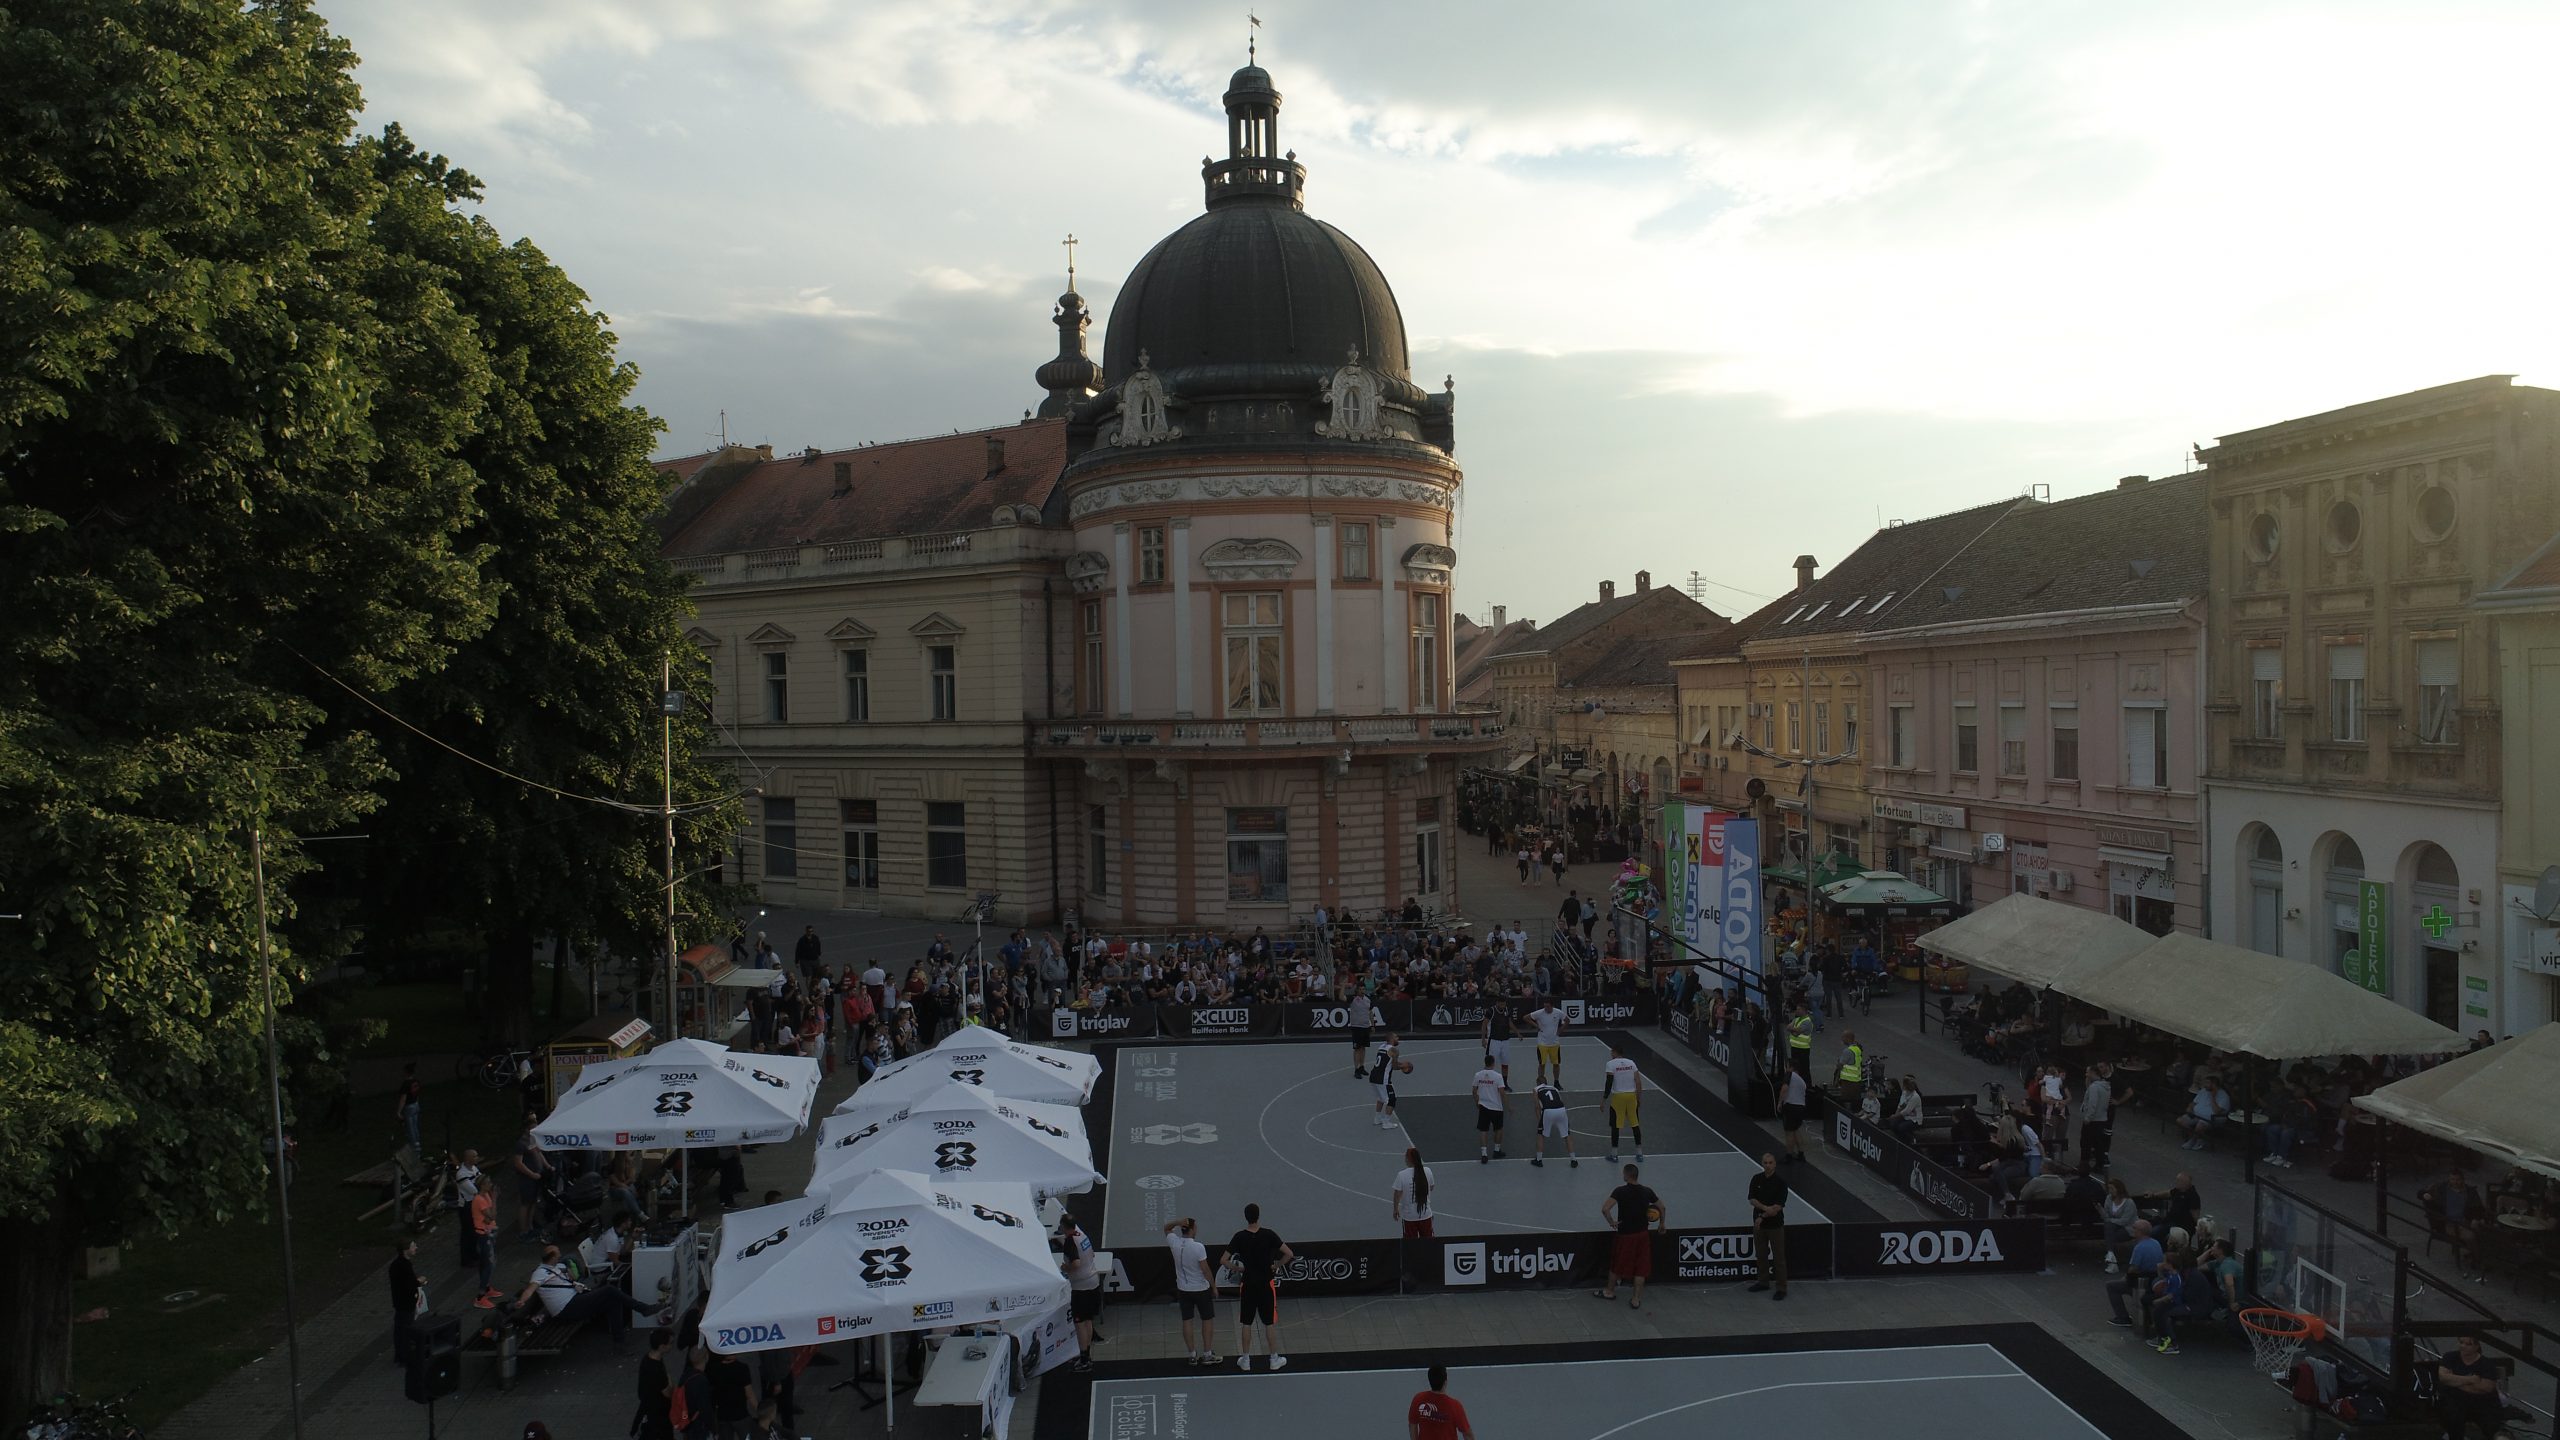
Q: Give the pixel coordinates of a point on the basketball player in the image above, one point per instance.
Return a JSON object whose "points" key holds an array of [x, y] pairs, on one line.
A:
{"points": [[1624, 1090], [1552, 1122], [1496, 1034], [1491, 1090], [1549, 1019], [1360, 1017], [1382, 1081]]}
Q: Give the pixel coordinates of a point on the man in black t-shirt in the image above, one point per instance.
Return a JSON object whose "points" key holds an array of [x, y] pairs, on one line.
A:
{"points": [[1256, 1255], [1632, 1210], [1769, 1225], [2467, 1390]]}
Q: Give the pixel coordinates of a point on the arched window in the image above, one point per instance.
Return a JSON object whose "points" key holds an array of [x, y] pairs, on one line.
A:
{"points": [[2265, 858], [2341, 880]]}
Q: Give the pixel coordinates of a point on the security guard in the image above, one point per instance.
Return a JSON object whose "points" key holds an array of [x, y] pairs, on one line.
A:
{"points": [[1800, 1041], [1852, 1074]]}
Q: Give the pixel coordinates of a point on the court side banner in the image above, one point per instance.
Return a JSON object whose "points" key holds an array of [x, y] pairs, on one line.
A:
{"points": [[1385, 1015], [1201, 1020], [1135, 1022], [1883, 1152], [1969, 1247], [1316, 1267], [1521, 1262]]}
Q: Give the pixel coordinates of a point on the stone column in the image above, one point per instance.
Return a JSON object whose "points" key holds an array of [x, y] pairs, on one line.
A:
{"points": [[1324, 613], [1178, 563]]}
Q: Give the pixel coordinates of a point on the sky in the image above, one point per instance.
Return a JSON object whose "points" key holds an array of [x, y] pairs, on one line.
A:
{"points": [[1719, 283]]}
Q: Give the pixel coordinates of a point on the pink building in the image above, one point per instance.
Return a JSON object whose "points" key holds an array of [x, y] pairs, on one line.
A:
{"points": [[2040, 700]]}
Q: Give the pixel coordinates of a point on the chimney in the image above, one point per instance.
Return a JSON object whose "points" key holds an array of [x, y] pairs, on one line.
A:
{"points": [[1608, 589], [1644, 581], [1804, 572], [764, 452], [995, 453], [2129, 481], [1498, 612]]}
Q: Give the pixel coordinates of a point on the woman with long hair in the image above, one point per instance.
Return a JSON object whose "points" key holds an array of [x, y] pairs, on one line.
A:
{"points": [[1410, 1197]]}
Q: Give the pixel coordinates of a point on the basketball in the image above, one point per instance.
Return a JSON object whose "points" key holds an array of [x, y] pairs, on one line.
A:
{"points": [[1653, 1213], [1404, 1067]]}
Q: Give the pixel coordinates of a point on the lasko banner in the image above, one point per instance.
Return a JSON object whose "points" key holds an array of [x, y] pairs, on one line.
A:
{"points": [[1135, 1022], [1187, 1020], [1940, 1247], [1883, 1152]]}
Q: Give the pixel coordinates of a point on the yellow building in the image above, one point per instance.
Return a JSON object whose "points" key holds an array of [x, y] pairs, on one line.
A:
{"points": [[2524, 612]]}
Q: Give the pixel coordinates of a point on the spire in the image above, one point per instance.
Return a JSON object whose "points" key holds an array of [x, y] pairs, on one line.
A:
{"points": [[1073, 375], [1255, 167]]}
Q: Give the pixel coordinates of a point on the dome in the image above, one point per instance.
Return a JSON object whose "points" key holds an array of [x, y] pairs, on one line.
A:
{"points": [[1254, 289]]}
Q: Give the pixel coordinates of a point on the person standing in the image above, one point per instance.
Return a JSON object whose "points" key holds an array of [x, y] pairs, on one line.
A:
{"points": [[1496, 1034], [1361, 1014], [1852, 1072], [1623, 1090], [1800, 1039], [1555, 862], [1553, 1123], [2097, 1118], [1084, 1285], [1549, 1020], [1791, 1102], [1257, 1255], [1192, 1291], [1768, 1195], [1382, 1082], [1632, 1211], [1525, 862], [1491, 1091], [1568, 915], [481, 1223], [650, 1421], [1435, 1414], [733, 1394], [1590, 917], [805, 952], [532, 1167], [1409, 1199], [406, 1290]]}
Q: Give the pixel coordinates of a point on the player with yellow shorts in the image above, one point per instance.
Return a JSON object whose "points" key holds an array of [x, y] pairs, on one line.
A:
{"points": [[1550, 1022], [1624, 1090]]}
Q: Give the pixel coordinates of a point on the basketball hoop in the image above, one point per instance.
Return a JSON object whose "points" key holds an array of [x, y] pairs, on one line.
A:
{"points": [[2276, 1338]]}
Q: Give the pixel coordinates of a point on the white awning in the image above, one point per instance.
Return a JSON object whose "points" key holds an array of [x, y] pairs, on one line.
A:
{"points": [[2026, 937], [2253, 1004], [2481, 1101]]}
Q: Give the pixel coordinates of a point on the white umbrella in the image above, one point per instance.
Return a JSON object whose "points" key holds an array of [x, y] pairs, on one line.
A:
{"points": [[974, 1055], [683, 1094], [888, 1251], [961, 1134]]}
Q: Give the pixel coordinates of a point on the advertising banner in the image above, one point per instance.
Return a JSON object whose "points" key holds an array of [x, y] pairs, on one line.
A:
{"points": [[1335, 1019], [1741, 919], [1184, 1021], [1316, 1267], [1134, 1022], [1916, 1247], [1881, 1151], [1526, 1262], [2369, 964]]}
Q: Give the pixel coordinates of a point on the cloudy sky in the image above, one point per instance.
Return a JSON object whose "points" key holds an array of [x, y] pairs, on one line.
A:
{"points": [[1720, 282]]}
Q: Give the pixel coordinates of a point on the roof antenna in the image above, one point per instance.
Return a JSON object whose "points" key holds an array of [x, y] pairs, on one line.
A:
{"points": [[1253, 23], [1070, 243]]}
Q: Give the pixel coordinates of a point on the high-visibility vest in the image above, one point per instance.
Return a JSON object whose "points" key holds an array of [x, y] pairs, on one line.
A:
{"points": [[1853, 1064], [1800, 1033]]}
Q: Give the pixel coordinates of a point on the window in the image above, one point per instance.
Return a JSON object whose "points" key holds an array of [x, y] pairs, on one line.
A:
{"points": [[1426, 858], [946, 845], [1150, 554], [2346, 526], [1849, 727], [781, 840], [2146, 748], [1253, 653], [1881, 603], [1897, 723], [1258, 854], [942, 665], [2265, 533], [1968, 740], [2066, 742], [1098, 851], [1355, 552], [1426, 652], [2346, 693], [2266, 693], [857, 685], [2439, 691], [1769, 726], [1795, 727], [2013, 739], [1821, 727], [861, 820], [777, 687], [1091, 657]]}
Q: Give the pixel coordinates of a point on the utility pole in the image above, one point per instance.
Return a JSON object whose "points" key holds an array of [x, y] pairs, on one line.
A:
{"points": [[668, 703], [275, 1117]]}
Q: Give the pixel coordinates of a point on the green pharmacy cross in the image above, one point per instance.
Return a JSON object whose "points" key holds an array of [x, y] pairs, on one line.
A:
{"points": [[2435, 922]]}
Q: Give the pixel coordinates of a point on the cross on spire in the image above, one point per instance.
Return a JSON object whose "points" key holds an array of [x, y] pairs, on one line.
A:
{"points": [[1070, 243], [1253, 24]]}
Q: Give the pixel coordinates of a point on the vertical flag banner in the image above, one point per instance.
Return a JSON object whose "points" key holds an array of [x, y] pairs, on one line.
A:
{"points": [[1676, 904], [1741, 922], [2369, 964]]}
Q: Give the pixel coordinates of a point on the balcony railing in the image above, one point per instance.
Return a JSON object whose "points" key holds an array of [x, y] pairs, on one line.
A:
{"points": [[1420, 731]]}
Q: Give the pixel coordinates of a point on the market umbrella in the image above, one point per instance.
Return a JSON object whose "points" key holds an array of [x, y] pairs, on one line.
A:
{"points": [[682, 1094], [975, 1055], [960, 1134], [890, 1251], [2480, 1101]]}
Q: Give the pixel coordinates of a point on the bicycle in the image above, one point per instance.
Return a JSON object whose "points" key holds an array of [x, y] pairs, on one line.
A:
{"points": [[494, 1070], [421, 1197], [1862, 991]]}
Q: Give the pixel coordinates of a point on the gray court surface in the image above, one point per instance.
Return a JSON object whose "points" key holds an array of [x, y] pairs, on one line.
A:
{"points": [[1202, 1130], [1936, 1392]]}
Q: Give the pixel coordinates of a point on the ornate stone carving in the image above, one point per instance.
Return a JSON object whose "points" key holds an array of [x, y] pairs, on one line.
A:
{"points": [[1352, 400], [1372, 486], [1238, 487], [1429, 564], [1257, 559], [1141, 492], [1419, 492], [1088, 570], [1146, 409], [1429, 495]]}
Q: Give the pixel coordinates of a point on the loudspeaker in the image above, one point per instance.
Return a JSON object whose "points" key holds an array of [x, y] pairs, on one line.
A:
{"points": [[435, 1358]]}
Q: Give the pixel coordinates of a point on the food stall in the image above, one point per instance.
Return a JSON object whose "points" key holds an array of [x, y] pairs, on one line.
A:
{"points": [[606, 1037]]}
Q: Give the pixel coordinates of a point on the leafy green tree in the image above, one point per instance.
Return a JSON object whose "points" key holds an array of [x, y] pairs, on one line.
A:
{"points": [[229, 449]]}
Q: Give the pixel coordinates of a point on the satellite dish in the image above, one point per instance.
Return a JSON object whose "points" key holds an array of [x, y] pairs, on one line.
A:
{"points": [[2546, 896]]}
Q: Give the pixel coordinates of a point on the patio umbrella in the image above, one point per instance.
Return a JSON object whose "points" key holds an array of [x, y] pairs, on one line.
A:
{"points": [[890, 1251], [2030, 938], [960, 1134], [2486, 1101], [974, 1055], [683, 1094]]}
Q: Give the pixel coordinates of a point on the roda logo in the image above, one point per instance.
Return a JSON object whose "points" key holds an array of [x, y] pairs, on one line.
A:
{"points": [[970, 1077], [675, 1102], [1940, 1247], [886, 1265], [767, 1243], [734, 1336], [955, 1155]]}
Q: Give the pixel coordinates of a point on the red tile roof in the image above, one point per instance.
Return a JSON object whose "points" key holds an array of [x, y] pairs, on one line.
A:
{"points": [[2541, 573], [910, 487]]}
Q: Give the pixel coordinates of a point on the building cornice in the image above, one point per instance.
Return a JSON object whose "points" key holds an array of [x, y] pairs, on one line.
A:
{"points": [[2095, 617]]}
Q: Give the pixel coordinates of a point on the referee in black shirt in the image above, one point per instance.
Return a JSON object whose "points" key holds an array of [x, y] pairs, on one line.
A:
{"points": [[1769, 1226]]}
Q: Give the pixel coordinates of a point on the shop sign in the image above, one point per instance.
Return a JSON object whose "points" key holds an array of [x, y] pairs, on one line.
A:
{"points": [[2475, 996], [2541, 949], [1919, 812], [2369, 964], [2132, 837]]}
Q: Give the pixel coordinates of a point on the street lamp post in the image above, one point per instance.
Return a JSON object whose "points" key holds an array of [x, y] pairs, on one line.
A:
{"points": [[670, 704], [275, 1119]]}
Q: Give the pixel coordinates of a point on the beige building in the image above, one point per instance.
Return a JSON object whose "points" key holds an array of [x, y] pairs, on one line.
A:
{"points": [[2354, 727], [2524, 616]]}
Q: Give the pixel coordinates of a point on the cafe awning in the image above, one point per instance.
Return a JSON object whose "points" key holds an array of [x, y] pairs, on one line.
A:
{"points": [[1828, 869], [2029, 938], [2480, 1101], [2251, 1003], [1517, 764], [1886, 890]]}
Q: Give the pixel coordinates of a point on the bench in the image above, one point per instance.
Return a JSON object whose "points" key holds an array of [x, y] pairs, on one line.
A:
{"points": [[516, 1338]]}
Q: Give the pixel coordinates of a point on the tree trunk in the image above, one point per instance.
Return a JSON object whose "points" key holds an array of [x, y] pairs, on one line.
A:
{"points": [[38, 1258], [508, 961]]}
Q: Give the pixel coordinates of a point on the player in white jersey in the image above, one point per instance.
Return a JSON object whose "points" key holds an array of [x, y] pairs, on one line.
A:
{"points": [[1490, 1092], [1624, 1091], [1552, 1123], [1383, 1069], [1549, 1018]]}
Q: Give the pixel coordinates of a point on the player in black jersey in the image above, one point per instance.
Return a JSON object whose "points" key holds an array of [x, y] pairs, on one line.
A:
{"points": [[1383, 1069], [1552, 1122]]}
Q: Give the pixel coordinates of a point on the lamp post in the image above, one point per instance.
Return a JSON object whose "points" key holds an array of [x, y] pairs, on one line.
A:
{"points": [[670, 704], [275, 1118]]}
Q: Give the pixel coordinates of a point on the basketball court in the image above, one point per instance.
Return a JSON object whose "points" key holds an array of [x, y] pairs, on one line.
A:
{"points": [[2006, 1382], [1204, 1129]]}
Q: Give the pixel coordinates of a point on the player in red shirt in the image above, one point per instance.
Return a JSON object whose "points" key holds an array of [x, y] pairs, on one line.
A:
{"points": [[1435, 1414]]}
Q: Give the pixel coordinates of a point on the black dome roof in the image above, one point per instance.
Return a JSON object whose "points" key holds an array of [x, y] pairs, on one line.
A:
{"points": [[1254, 289]]}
